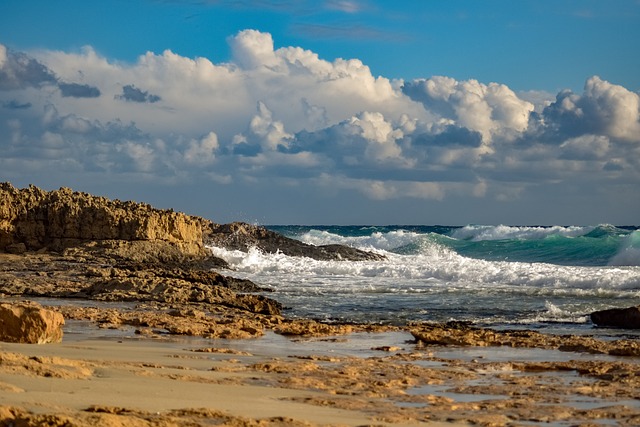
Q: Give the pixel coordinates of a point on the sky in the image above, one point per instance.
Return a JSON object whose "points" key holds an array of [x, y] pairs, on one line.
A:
{"points": [[330, 111]]}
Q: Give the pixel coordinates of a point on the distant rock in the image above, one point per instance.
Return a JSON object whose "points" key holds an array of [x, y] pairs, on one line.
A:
{"points": [[625, 318], [242, 236], [29, 323]]}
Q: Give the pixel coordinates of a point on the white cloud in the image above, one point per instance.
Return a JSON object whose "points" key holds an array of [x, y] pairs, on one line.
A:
{"points": [[20, 71], [202, 152], [285, 114], [269, 134], [616, 109], [492, 109], [586, 147], [604, 109], [253, 49], [380, 136], [142, 155]]}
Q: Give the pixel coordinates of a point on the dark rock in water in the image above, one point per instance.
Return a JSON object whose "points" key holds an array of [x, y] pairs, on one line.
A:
{"points": [[242, 236], [626, 318]]}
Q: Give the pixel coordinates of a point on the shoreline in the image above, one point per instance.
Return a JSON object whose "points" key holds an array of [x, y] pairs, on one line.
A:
{"points": [[118, 377], [155, 336]]}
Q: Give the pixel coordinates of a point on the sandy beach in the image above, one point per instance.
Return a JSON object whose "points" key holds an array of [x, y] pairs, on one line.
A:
{"points": [[124, 379], [120, 377]]}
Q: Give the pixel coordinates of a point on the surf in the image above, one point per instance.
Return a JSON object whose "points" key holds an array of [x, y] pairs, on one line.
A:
{"points": [[428, 276]]}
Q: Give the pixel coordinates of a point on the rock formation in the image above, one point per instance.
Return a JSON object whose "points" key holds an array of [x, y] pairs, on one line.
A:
{"points": [[464, 334], [66, 244], [242, 236], [32, 219], [29, 323], [626, 318]]}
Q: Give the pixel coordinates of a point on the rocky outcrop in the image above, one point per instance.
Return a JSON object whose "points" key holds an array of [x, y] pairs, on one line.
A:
{"points": [[29, 323], [625, 318], [175, 287], [463, 334], [242, 236], [32, 219], [99, 278]]}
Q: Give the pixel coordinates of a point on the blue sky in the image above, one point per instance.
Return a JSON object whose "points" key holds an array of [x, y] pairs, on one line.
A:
{"points": [[334, 111], [528, 45]]}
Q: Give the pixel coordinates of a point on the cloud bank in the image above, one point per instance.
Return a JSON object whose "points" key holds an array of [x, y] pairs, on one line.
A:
{"points": [[288, 117]]}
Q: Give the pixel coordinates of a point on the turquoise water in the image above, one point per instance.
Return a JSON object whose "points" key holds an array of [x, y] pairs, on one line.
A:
{"points": [[579, 246], [540, 277]]}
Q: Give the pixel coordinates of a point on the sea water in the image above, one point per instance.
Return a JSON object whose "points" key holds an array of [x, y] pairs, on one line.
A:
{"points": [[503, 276]]}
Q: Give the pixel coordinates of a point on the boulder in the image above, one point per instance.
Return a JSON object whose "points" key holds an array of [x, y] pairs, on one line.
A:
{"points": [[29, 323], [626, 318]]}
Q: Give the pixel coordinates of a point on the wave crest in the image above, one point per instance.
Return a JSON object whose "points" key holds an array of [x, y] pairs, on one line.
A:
{"points": [[506, 232], [629, 252]]}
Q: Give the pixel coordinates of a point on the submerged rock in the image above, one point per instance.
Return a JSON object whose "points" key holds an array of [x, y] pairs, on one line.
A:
{"points": [[242, 236], [626, 318], [29, 323]]}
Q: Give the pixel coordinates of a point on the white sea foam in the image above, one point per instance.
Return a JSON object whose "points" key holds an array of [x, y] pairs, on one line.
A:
{"points": [[505, 232], [433, 282], [376, 240], [434, 266]]}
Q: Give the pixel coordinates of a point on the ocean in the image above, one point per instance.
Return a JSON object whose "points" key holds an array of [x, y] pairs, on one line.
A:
{"points": [[537, 277]]}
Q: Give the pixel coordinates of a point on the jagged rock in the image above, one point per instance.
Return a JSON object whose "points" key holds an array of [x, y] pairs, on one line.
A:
{"points": [[626, 318], [29, 323], [32, 219], [63, 218], [242, 236], [146, 286]]}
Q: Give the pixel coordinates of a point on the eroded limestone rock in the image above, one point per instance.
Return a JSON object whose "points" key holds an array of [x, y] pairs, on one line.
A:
{"points": [[60, 219], [29, 323]]}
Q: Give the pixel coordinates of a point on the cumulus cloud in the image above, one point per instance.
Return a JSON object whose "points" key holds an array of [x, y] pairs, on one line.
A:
{"points": [[488, 109], [603, 109], [253, 49], [586, 147], [202, 151], [287, 114]]}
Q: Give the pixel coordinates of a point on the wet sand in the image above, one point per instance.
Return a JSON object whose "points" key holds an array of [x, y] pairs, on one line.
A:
{"points": [[117, 377]]}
